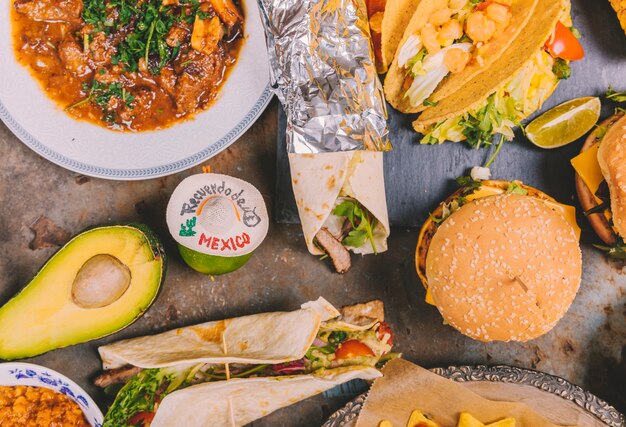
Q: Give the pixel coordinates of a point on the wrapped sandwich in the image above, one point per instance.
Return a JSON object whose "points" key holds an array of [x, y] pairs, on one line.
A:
{"points": [[341, 202], [519, 71], [232, 372]]}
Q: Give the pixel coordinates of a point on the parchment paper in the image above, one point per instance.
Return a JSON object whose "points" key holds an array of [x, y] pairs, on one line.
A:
{"points": [[406, 387]]}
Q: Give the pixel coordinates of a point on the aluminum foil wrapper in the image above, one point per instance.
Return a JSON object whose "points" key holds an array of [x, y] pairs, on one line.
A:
{"points": [[323, 71]]}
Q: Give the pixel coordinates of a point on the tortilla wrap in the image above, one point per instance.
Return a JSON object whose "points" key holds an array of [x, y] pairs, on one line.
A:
{"points": [[397, 16], [238, 402], [474, 93], [521, 11], [319, 179], [258, 338]]}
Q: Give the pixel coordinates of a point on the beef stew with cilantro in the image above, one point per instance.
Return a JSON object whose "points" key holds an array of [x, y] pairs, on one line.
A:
{"points": [[129, 65]]}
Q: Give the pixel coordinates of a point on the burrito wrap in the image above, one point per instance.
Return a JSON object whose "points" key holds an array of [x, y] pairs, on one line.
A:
{"points": [[256, 339], [318, 180], [240, 401], [259, 338]]}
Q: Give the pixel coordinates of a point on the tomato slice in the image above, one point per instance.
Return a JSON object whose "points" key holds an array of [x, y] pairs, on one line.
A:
{"points": [[141, 417], [352, 348], [563, 44], [384, 329]]}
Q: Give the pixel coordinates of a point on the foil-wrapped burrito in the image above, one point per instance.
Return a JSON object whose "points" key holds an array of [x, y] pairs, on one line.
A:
{"points": [[323, 71]]}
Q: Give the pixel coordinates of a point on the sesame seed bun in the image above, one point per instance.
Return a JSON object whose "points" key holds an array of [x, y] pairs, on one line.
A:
{"points": [[504, 268]]}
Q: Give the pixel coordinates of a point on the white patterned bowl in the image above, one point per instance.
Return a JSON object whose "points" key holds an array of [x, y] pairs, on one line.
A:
{"points": [[95, 151], [27, 374]]}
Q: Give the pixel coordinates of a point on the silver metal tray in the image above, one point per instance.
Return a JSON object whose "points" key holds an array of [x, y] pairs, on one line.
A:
{"points": [[589, 403]]}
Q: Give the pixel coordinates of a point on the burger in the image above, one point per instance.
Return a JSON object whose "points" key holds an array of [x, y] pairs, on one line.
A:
{"points": [[500, 260], [601, 183]]}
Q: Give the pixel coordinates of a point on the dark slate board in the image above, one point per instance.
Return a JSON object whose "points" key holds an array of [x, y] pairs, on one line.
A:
{"points": [[418, 177]]}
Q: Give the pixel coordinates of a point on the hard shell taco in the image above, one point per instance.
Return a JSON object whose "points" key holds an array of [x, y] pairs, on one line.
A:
{"points": [[388, 19], [512, 88], [232, 372], [447, 43]]}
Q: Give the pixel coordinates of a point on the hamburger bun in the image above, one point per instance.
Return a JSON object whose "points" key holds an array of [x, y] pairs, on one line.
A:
{"points": [[612, 160], [504, 267]]}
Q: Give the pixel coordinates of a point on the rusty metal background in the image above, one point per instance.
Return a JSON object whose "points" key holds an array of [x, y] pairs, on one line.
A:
{"points": [[588, 347]]}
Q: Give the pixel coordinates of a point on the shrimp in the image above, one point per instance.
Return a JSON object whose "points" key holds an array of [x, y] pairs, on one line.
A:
{"points": [[456, 60], [498, 13], [440, 17], [450, 31], [429, 39], [479, 27]]}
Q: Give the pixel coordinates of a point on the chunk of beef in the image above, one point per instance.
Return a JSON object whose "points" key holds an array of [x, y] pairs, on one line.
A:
{"points": [[101, 49], [51, 10], [177, 35], [116, 376], [199, 76], [167, 80], [338, 254], [73, 58]]}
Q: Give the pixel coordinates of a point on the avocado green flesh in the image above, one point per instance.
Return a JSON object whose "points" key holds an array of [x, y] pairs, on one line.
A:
{"points": [[43, 316], [211, 264]]}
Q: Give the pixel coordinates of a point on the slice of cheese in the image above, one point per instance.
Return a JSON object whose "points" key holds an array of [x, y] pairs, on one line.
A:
{"points": [[588, 168]]}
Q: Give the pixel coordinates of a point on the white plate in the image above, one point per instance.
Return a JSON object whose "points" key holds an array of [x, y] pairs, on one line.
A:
{"points": [[95, 151], [27, 374]]}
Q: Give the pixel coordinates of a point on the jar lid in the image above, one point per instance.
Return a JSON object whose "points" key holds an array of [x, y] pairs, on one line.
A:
{"points": [[217, 215]]}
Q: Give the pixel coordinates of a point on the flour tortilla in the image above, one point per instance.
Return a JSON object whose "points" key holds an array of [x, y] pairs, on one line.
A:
{"points": [[475, 92], [396, 17], [240, 401], [521, 11], [259, 338], [319, 179], [267, 338]]}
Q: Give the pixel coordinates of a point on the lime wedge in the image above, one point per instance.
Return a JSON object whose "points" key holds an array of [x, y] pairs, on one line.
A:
{"points": [[565, 123]]}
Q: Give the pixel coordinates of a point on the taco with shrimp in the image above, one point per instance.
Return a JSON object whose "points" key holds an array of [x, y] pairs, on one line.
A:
{"points": [[514, 86], [232, 372], [447, 43]]}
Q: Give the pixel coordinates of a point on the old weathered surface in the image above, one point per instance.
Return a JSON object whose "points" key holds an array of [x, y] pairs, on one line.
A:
{"points": [[586, 348]]}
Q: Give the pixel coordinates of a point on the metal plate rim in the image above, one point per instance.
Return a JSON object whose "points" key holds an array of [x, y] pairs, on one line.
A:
{"points": [[506, 374]]}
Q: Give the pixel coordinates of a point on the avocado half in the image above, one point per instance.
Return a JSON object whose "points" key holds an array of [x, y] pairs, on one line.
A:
{"points": [[101, 281]]}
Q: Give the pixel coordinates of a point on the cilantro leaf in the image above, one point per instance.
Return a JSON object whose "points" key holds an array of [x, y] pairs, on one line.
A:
{"points": [[615, 96]]}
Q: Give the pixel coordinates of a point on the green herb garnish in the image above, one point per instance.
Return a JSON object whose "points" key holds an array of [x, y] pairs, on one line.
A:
{"points": [[362, 223], [478, 126], [561, 69], [615, 96], [515, 188], [428, 103]]}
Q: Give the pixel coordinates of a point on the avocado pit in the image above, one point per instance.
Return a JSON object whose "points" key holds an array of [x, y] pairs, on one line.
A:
{"points": [[101, 281]]}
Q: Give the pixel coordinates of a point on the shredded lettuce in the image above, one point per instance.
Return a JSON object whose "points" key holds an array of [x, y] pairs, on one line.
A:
{"points": [[142, 392], [503, 110]]}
